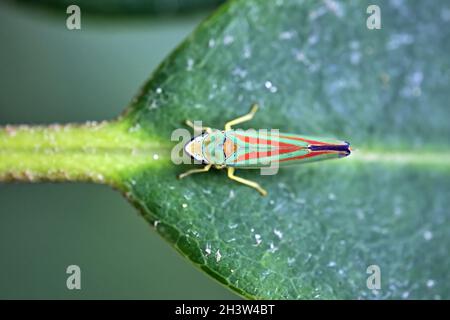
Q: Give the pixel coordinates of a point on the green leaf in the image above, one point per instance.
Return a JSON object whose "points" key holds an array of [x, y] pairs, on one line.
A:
{"points": [[322, 224], [316, 69]]}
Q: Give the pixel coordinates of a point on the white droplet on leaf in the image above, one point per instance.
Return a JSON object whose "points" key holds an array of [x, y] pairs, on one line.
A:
{"points": [[218, 255], [190, 64], [269, 85], [428, 235], [228, 40], [258, 239], [278, 233], [286, 35], [332, 264], [208, 249]]}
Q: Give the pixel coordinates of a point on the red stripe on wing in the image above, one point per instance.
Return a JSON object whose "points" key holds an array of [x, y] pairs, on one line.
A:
{"points": [[262, 154], [258, 141], [308, 155]]}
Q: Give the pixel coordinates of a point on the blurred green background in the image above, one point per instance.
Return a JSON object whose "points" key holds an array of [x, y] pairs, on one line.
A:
{"points": [[50, 74]]}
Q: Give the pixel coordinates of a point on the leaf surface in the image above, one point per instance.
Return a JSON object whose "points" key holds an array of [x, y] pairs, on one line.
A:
{"points": [[316, 69]]}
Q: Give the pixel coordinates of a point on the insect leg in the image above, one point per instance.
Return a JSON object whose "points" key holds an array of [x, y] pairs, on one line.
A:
{"points": [[243, 118], [189, 172], [246, 182], [191, 124]]}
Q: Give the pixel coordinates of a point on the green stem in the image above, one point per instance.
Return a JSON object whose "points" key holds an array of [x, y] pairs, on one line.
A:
{"points": [[108, 152], [96, 152]]}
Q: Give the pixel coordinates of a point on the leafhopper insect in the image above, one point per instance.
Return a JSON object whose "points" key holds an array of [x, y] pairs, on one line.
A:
{"points": [[238, 149]]}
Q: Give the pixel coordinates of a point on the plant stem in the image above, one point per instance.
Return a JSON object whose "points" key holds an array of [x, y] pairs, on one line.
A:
{"points": [[95, 152]]}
